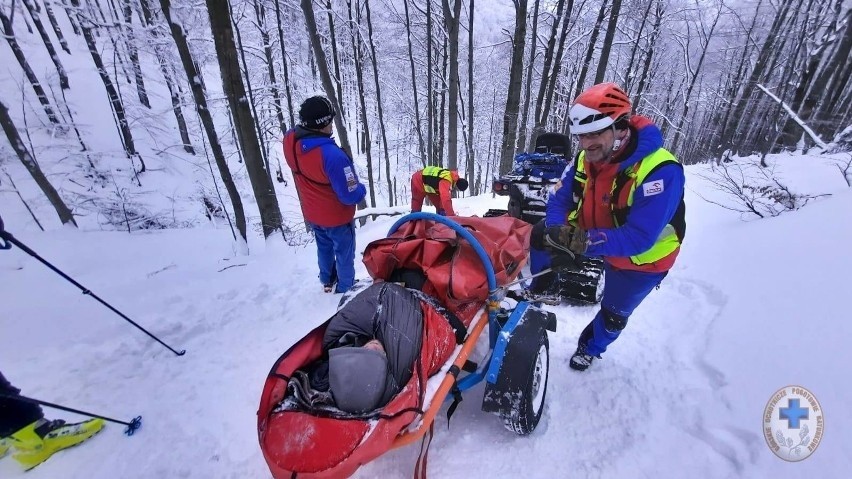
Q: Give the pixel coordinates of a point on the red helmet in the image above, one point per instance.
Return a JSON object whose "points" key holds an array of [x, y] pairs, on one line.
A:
{"points": [[598, 107]]}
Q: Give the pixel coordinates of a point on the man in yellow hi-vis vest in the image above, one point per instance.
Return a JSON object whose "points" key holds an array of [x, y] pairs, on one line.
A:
{"points": [[623, 200], [437, 184]]}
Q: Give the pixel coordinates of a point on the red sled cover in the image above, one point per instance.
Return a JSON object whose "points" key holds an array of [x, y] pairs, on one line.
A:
{"points": [[298, 444], [454, 273]]}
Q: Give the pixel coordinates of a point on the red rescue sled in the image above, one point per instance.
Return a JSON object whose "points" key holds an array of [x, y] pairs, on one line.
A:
{"points": [[465, 261]]}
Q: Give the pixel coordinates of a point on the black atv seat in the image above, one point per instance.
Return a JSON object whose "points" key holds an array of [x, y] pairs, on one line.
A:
{"points": [[555, 143]]}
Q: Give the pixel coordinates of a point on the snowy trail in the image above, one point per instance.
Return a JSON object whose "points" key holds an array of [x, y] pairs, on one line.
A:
{"points": [[601, 424], [681, 392], [199, 409]]}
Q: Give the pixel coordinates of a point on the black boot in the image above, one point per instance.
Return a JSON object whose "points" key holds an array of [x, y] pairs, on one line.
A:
{"points": [[581, 360]]}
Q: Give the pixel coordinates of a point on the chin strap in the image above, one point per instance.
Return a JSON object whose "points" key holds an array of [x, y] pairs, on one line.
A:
{"points": [[616, 144]]}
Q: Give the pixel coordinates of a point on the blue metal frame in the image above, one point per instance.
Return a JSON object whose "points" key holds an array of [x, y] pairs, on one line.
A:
{"points": [[498, 342]]}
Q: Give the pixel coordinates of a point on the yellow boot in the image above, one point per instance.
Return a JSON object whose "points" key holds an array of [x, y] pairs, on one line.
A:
{"points": [[35, 443]]}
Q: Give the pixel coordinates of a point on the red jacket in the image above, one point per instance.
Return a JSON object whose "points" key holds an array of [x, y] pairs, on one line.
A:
{"points": [[325, 177], [443, 201]]}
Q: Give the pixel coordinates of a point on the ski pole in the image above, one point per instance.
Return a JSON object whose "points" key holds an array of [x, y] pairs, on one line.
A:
{"points": [[8, 238], [132, 426]]}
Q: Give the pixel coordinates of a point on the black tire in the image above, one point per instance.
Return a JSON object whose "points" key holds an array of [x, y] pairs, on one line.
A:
{"points": [[526, 417]]}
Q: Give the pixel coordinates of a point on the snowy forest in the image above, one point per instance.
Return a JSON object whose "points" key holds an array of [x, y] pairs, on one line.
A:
{"points": [[151, 114]]}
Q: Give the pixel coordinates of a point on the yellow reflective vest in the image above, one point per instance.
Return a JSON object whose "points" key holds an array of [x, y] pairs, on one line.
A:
{"points": [[623, 188], [432, 175]]}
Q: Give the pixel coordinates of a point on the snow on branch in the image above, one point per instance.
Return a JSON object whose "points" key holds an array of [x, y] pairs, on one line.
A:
{"points": [[795, 118]]}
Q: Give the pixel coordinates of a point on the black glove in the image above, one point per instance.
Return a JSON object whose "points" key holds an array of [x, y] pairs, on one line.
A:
{"points": [[537, 235]]}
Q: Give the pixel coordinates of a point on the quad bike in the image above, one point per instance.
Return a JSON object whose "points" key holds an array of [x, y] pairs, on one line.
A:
{"points": [[527, 186]]}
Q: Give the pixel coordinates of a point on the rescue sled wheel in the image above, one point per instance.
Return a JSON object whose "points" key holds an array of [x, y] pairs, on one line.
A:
{"points": [[524, 419]]}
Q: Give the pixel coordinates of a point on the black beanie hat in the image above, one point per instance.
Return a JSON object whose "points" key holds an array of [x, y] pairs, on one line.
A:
{"points": [[461, 184], [316, 112]]}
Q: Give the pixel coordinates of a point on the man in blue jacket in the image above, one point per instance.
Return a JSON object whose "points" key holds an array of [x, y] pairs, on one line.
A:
{"points": [[621, 199], [328, 188]]}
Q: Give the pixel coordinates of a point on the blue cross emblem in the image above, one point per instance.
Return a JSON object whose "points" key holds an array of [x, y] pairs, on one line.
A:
{"points": [[793, 413]]}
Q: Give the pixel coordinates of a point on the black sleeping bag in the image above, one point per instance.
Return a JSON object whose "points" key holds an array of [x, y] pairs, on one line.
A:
{"points": [[387, 312]]}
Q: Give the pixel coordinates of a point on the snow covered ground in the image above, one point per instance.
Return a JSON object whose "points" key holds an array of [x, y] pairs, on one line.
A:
{"points": [[750, 307]]}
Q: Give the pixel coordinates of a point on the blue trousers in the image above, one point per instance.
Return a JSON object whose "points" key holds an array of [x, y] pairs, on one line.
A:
{"points": [[624, 290], [539, 261], [336, 254]]}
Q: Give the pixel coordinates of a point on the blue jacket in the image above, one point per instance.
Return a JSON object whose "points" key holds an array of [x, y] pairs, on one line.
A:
{"points": [[648, 215]]}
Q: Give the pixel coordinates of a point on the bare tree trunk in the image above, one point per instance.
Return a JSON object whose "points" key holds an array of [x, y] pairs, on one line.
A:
{"points": [[418, 126], [133, 53], [335, 57], [359, 76], [733, 84], [72, 18], [823, 86], [174, 92], [21, 197], [548, 77], [193, 76], [55, 25], [28, 71], [254, 116], [470, 149], [835, 69], [522, 127], [451, 23], [441, 117], [430, 92], [659, 11], [285, 69], [557, 65], [112, 94], [235, 92], [95, 7], [590, 51], [379, 104], [705, 38], [30, 164], [628, 79], [600, 75], [260, 14], [759, 68], [513, 97], [48, 44], [491, 122]]}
